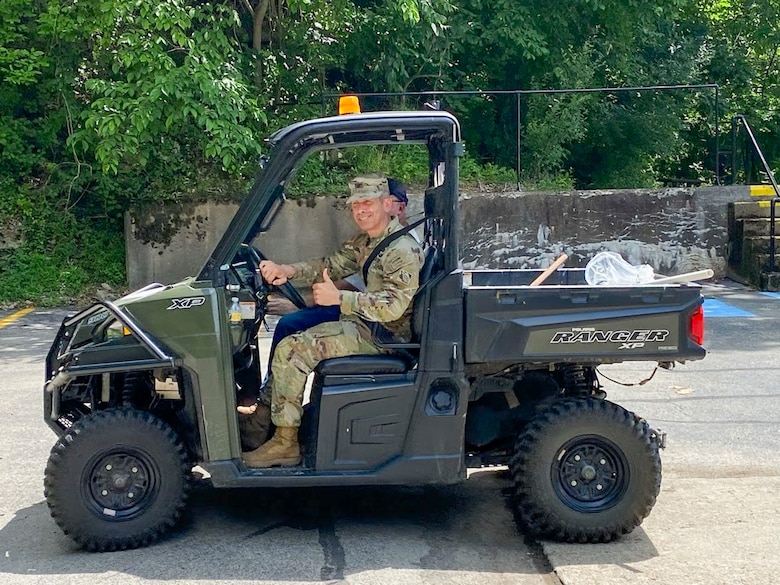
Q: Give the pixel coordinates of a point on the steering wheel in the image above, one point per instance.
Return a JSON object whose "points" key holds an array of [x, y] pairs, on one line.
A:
{"points": [[287, 290]]}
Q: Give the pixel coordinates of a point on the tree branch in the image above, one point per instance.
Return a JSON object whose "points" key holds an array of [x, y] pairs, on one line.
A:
{"points": [[420, 76], [248, 6], [258, 16]]}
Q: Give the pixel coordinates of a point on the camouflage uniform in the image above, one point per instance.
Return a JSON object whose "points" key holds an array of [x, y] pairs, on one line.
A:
{"points": [[393, 278]]}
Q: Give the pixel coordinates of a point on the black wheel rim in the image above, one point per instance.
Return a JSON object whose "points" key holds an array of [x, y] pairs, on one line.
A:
{"points": [[120, 484], [590, 473]]}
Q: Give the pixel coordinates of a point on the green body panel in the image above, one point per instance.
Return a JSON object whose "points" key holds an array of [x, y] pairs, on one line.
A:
{"points": [[198, 334]]}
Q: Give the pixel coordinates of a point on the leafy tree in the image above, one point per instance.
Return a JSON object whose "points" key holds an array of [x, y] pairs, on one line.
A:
{"points": [[588, 43], [154, 73], [399, 46], [742, 56], [20, 63]]}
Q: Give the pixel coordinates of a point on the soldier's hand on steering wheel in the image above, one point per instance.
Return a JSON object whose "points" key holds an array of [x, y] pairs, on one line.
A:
{"points": [[274, 273]]}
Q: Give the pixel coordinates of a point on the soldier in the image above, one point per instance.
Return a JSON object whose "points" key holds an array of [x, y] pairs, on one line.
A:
{"points": [[295, 320], [393, 278], [400, 200]]}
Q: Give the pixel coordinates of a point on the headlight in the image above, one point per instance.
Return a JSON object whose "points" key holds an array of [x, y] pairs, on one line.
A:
{"points": [[117, 330]]}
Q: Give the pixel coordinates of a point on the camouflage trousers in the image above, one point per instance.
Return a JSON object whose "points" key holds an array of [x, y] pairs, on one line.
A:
{"points": [[298, 354]]}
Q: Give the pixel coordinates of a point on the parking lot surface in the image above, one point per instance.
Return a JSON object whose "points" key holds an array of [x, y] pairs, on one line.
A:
{"points": [[715, 521]]}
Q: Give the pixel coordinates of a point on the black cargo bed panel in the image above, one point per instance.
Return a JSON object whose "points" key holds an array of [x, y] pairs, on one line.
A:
{"points": [[506, 320]]}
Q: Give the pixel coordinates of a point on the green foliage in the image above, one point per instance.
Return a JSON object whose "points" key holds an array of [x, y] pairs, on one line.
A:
{"points": [[155, 72], [741, 55], [554, 123], [399, 46], [602, 43], [20, 62], [107, 106], [472, 172], [560, 182], [59, 262], [303, 47], [328, 172]]}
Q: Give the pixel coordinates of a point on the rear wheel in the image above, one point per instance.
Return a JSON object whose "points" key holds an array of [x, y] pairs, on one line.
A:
{"points": [[117, 479], [585, 470]]}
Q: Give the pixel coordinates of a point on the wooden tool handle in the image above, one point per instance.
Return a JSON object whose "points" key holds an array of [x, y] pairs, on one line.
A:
{"points": [[549, 270], [687, 277]]}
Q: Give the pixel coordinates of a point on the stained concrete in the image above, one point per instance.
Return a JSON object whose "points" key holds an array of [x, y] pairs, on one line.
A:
{"points": [[674, 230]]}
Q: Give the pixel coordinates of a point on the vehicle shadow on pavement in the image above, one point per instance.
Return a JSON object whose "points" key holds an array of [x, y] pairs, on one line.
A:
{"points": [[629, 549], [314, 535]]}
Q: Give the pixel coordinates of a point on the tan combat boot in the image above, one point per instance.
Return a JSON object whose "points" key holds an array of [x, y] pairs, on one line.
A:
{"points": [[282, 449]]}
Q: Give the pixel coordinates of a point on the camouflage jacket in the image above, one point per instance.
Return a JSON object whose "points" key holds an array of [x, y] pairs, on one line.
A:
{"points": [[393, 278]]}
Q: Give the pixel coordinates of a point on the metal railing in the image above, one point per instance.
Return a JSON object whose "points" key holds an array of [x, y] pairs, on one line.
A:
{"points": [[435, 96], [735, 121]]}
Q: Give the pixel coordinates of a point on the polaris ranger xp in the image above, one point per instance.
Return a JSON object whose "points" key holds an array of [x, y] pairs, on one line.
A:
{"points": [[499, 372]]}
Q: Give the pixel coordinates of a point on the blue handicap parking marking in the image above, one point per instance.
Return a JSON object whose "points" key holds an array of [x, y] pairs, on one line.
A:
{"points": [[773, 295], [716, 308]]}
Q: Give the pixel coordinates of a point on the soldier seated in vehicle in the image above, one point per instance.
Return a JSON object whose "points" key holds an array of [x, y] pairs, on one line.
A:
{"points": [[393, 278], [294, 320]]}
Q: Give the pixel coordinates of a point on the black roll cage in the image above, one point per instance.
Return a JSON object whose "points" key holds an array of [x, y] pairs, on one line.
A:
{"points": [[439, 131]]}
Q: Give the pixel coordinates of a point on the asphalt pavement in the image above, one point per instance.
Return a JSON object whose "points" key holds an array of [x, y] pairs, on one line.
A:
{"points": [[717, 517], [716, 520]]}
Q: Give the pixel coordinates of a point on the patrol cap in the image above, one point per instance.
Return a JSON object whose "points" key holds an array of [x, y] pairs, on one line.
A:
{"points": [[367, 187], [397, 190]]}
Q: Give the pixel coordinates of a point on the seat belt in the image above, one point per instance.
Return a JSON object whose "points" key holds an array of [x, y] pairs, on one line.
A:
{"points": [[385, 243], [379, 331]]}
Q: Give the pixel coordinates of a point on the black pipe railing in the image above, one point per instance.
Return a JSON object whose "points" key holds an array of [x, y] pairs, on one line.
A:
{"points": [[519, 93], [735, 120], [775, 201]]}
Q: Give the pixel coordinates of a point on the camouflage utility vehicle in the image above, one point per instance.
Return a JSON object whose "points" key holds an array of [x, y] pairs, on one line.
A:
{"points": [[499, 372]]}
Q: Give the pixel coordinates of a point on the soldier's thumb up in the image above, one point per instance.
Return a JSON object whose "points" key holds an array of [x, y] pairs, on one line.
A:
{"points": [[325, 292]]}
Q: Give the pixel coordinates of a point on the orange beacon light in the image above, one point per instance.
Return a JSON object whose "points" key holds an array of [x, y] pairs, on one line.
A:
{"points": [[349, 104]]}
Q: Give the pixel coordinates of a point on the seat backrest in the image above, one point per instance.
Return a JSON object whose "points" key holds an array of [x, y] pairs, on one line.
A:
{"points": [[434, 262], [431, 265], [435, 211]]}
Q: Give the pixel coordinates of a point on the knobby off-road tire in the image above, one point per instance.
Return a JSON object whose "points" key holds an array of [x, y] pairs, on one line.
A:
{"points": [[118, 479], [584, 470]]}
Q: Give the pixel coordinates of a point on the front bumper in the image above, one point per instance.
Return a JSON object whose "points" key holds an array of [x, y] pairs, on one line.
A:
{"points": [[81, 350]]}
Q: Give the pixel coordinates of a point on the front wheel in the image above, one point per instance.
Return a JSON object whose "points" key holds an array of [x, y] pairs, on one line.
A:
{"points": [[585, 470], [117, 479]]}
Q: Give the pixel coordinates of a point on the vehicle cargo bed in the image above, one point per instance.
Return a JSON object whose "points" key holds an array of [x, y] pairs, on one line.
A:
{"points": [[565, 319]]}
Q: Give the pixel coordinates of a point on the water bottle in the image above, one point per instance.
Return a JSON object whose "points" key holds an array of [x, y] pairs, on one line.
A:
{"points": [[234, 317]]}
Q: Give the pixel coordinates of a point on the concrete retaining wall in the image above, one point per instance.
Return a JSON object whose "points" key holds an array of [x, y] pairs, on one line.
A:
{"points": [[674, 230]]}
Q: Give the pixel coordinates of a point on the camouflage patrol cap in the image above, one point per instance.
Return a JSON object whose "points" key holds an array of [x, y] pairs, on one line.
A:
{"points": [[367, 187]]}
